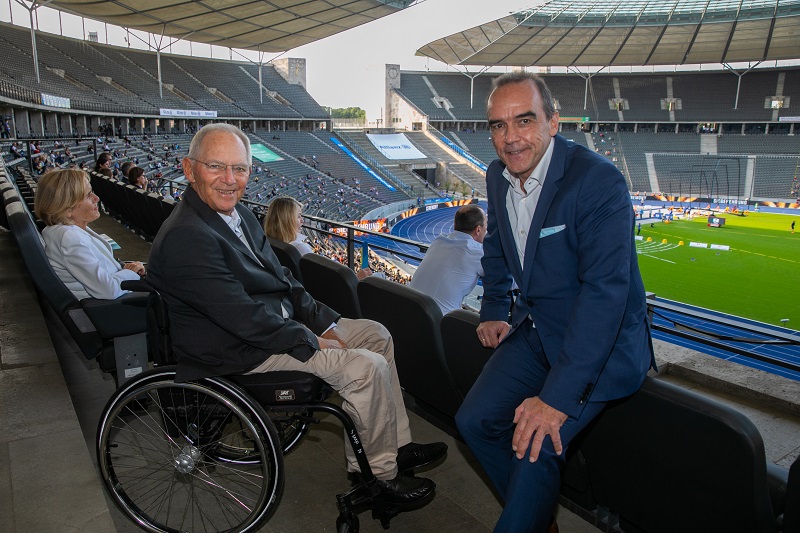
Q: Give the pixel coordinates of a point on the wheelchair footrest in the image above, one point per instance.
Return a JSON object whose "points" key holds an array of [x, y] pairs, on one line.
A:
{"points": [[284, 387]]}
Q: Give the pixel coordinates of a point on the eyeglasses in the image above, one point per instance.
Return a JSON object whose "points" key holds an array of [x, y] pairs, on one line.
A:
{"points": [[217, 169]]}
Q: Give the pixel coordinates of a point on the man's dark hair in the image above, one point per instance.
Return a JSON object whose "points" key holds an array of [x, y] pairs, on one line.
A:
{"points": [[468, 218], [125, 168], [548, 103]]}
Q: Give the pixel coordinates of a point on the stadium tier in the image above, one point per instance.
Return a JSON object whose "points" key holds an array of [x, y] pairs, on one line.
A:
{"points": [[97, 77]]}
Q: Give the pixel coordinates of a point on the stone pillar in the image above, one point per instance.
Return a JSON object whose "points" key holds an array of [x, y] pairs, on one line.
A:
{"points": [[152, 125], [22, 123], [65, 124], [94, 124], [37, 122], [81, 125], [391, 82], [50, 123]]}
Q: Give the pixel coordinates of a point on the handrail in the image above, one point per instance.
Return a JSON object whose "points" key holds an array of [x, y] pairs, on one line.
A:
{"points": [[679, 325], [744, 332]]}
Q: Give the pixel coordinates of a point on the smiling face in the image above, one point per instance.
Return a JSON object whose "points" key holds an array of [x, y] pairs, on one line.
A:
{"points": [[220, 190], [520, 130]]}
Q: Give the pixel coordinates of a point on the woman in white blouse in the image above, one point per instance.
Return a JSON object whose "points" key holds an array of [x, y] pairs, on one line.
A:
{"points": [[81, 258]]}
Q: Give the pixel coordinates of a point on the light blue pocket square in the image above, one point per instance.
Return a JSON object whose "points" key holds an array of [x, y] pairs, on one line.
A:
{"points": [[546, 232]]}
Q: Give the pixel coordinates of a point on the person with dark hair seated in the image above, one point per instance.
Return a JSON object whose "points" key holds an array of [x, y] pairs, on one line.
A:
{"points": [[81, 258], [452, 265], [104, 160], [125, 168], [137, 178]]}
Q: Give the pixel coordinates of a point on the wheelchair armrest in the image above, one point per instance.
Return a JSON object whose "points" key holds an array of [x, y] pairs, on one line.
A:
{"points": [[127, 315]]}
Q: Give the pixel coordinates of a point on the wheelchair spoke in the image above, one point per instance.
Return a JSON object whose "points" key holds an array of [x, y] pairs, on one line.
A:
{"points": [[189, 456]]}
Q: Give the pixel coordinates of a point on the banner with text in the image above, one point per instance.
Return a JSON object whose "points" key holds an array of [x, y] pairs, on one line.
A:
{"points": [[395, 146]]}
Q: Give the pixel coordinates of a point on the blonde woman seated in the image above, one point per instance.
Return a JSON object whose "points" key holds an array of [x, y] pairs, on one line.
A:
{"points": [[284, 222], [81, 258]]}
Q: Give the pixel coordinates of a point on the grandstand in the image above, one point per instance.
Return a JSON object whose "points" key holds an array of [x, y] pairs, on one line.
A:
{"points": [[673, 134]]}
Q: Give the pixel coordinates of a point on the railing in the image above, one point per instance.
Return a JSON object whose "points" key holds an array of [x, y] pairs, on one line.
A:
{"points": [[736, 336]]}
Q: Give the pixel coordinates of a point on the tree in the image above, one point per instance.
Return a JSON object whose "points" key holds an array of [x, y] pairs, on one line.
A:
{"points": [[346, 112]]}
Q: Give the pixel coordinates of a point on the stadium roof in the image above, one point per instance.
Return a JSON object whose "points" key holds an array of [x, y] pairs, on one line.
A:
{"points": [[629, 33], [265, 25]]}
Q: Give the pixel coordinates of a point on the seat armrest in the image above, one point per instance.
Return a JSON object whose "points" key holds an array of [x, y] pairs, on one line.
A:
{"points": [[777, 480], [136, 285], [127, 315]]}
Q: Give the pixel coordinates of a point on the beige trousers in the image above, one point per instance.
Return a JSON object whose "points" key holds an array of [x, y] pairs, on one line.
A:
{"points": [[365, 376]]}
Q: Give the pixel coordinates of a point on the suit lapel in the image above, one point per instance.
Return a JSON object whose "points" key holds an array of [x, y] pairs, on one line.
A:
{"points": [[504, 224], [216, 223], [549, 189]]}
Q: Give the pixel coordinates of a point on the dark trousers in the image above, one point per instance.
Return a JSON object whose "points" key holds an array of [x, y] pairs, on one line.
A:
{"points": [[516, 371]]}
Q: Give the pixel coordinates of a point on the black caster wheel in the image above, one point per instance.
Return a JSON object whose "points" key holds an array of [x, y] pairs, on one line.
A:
{"points": [[347, 525]]}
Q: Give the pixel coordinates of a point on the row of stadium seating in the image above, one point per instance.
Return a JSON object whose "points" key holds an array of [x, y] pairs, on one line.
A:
{"points": [[664, 460], [117, 79], [703, 97]]}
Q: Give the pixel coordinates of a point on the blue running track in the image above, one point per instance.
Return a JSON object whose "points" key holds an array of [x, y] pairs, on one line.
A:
{"points": [[425, 227]]}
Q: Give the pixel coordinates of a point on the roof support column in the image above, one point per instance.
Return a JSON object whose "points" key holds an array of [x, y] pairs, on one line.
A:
{"points": [[35, 54], [586, 78], [739, 81]]}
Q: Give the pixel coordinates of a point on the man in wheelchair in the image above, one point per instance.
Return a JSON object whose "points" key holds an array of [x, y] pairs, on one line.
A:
{"points": [[234, 309]]}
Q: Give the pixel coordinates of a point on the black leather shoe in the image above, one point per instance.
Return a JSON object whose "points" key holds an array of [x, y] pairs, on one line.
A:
{"points": [[407, 490], [414, 455]]}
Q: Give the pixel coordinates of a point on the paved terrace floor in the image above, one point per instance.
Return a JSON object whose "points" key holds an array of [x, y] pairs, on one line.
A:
{"points": [[51, 398]]}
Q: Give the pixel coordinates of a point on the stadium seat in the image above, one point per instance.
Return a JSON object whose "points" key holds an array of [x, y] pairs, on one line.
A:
{"points": [[463, 352], [288, 255], [413, 319], [112, 331], [667, 459], [331, 283]]}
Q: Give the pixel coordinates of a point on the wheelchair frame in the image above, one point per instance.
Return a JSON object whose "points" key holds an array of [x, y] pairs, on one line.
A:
{"points": [[205, 455]]}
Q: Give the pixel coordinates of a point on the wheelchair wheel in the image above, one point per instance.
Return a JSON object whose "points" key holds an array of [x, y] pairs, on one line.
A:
{"points": [[171, 455], [290, 427]]}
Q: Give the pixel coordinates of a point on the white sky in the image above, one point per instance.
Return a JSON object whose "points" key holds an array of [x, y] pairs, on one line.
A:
{"points": [[344, 70]]}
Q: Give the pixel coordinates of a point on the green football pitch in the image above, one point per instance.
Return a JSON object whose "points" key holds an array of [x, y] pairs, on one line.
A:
{"points": [[758, 278]]}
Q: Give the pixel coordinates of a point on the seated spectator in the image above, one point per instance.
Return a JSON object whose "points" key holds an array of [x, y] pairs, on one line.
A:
{"points": [[284, 222], [103, 161], [81, 258], [125, 168], [452, 264], [232, 312], [137, 178]]}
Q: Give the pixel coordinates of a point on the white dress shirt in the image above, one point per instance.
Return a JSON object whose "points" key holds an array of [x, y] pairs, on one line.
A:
{"points": [[84, 261], [521, 204], [302, 246], [450, 269]]}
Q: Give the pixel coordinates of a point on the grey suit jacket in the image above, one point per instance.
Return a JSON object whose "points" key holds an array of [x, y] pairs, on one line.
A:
{"points": [[224, 302]]}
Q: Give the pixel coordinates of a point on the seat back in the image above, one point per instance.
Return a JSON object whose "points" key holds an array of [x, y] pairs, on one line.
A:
{"points": [[288, 256], [49, 286], [331, 283], [463, 352], [667, 459], [413, 320]]}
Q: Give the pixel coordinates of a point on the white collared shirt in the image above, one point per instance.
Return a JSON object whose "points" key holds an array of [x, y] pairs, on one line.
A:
{"points": [[521, 205]]}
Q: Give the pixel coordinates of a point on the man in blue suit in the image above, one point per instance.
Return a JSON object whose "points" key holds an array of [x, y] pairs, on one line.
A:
{"points": [[560, 227]]}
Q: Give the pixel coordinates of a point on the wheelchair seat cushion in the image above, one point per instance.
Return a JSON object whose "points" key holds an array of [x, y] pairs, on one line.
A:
{"points": [[284, 387]]}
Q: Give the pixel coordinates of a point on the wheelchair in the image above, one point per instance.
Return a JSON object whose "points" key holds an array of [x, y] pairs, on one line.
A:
{"points": [[207, 455]]}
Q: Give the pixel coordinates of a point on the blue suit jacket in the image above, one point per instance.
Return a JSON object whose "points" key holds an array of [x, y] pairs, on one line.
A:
{"points": [[580, 282]]}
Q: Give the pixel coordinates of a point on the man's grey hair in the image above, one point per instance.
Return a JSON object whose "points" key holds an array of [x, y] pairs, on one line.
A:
{"points": [[197, 140], [548, 103]]}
